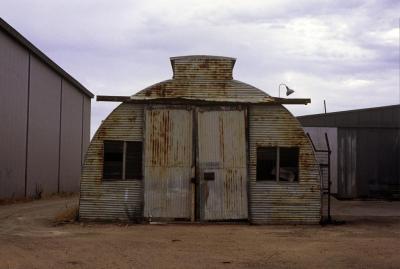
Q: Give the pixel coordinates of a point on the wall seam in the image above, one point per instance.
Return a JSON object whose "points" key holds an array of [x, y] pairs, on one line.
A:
{"points": [[59, 138], [82, 117], [27, 126]]}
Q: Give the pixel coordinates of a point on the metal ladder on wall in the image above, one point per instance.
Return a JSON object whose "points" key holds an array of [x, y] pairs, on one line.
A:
{"points": [[323, 157]]}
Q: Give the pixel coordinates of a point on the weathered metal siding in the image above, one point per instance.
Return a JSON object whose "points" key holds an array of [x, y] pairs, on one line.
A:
{"points": [[203, 67], [14, 69], [369, 163], [222, 151], [368, 150], [112, 200], [318, 137], [378, 162], [347, 155], [168, 163], [204, 78], [375, 117], [205, 90], [71, 138], [44, 129], [282, 202]]}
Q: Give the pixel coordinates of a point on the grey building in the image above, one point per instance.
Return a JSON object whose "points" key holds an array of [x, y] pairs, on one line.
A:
{"points": [[44, 121], [201, 147], [365, 147]]}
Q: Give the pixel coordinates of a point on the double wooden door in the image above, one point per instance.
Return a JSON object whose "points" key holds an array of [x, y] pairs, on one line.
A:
{"points": [[195, 164]]}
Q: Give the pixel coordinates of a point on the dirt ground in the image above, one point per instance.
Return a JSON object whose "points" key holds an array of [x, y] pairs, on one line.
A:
{"points": [[369, 239]]}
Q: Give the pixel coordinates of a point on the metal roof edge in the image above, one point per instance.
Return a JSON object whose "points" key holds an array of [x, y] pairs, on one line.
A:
{"points": [[14, 34], [214, 57], [136, 99], [347, 111]]}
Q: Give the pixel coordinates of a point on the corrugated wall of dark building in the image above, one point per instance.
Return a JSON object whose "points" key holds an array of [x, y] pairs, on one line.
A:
{"points": [[45, 121], [369, 162], [368, 150]]}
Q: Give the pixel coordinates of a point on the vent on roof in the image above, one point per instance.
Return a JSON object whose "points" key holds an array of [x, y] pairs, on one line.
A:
{"points": [[202, 67]]}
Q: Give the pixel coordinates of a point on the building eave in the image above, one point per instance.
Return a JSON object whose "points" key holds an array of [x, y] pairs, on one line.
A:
{"points": [[177, 100], [15, 35]]}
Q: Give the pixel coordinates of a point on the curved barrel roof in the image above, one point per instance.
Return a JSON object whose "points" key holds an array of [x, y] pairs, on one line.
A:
{"points": [[206, 78]]}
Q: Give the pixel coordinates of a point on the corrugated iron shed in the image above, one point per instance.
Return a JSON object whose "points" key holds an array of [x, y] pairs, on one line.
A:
{"points": [[201, 130]]}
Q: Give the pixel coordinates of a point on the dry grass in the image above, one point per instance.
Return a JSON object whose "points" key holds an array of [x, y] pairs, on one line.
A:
{"points": [[68, 215], [9, 201]]}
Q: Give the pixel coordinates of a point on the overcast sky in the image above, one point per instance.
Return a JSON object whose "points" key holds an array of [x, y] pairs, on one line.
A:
{"points": [[346, 52]]}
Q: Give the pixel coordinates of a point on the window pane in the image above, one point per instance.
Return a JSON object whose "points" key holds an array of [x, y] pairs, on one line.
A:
{"points": [[133, 167], [289, 164], [113, 157], [266, 163]]}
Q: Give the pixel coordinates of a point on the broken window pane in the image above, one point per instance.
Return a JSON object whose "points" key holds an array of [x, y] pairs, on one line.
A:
{"points": [[266, 163], [289, 164], [133, 167], [113, 158]]}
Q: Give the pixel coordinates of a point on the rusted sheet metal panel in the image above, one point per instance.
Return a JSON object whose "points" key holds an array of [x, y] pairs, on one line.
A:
{"points": [[222, 151], [14, 69], [44, 130], [283, 202], [347, 151], [205, 90], [112, 200], [206, 78], [202, 66], [168, 163]]}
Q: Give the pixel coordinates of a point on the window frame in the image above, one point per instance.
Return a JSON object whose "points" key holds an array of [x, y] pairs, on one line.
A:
{"points": [[124, 151], [278, 166]]}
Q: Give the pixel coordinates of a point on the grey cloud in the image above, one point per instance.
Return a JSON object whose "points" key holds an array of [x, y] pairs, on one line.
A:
{"points": [[118, 48]]}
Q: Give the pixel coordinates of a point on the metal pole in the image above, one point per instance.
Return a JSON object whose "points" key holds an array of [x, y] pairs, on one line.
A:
{"points": [[279, 89], [324, 106]]}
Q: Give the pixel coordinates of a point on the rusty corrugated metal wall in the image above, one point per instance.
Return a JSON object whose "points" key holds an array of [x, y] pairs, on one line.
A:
{"points": [[112, 200], [204, 78], [216, 137], [273, 202], [168, 163]]}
